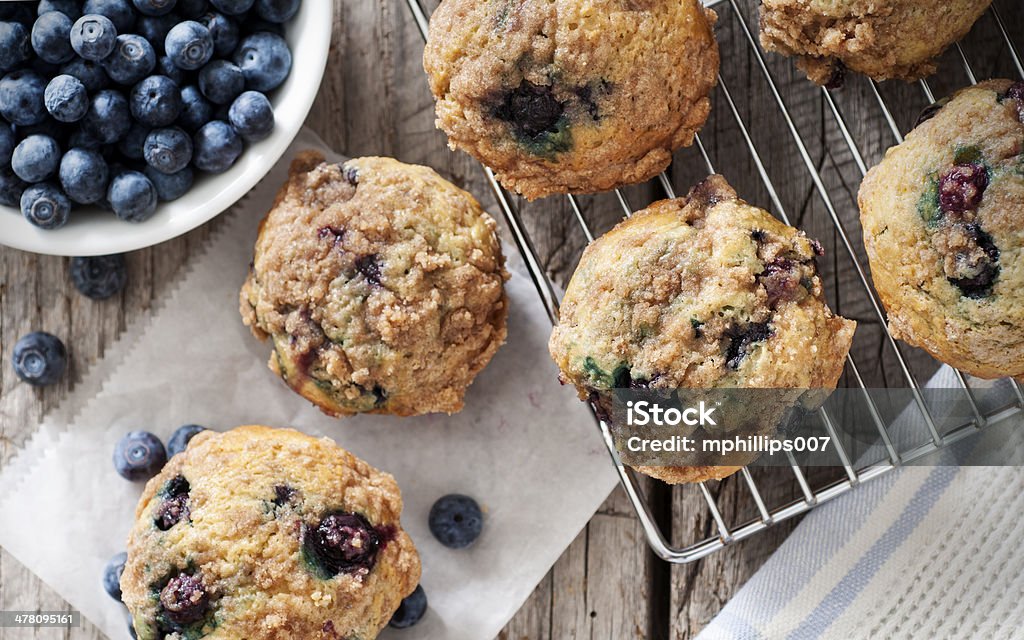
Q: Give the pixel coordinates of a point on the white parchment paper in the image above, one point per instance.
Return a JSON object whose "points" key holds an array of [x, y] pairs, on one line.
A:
{"points": [[524, 447]]}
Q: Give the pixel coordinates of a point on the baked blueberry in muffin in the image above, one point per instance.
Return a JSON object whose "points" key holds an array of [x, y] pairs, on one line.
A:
{"points": [[883, 39], [380, 286], [701, 292], [567, 95], [942, 217], [267, 534]]}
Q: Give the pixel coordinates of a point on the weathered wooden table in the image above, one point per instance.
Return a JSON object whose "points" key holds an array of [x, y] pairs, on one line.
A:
{"points": [[374, 101]]}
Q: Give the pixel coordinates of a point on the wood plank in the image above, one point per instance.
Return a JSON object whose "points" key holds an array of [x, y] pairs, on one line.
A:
{"points": [[374, 100], [601, 587]]}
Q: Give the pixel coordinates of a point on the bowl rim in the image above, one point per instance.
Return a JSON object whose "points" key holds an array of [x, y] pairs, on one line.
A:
{"points": [[99, 232]]}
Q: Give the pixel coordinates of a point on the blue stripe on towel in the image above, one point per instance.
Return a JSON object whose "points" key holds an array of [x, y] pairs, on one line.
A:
{"points": [[837, 524], [847, 590]]}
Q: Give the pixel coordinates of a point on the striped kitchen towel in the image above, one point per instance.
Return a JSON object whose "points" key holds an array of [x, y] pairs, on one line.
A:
{"points": [[923, 552]]}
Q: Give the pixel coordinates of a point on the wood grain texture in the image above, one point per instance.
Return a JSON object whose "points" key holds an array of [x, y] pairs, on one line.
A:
{"points": [[374, 101]]}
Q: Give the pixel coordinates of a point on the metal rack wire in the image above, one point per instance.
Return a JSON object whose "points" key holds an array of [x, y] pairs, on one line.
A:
{"points": [[854, 475]]}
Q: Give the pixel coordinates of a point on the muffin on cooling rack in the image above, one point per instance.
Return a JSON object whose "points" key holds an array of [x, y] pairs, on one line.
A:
{"points": [[380, 285], [267, 534], [883, 39], [571, 96], [943, 219], [701, 292]]}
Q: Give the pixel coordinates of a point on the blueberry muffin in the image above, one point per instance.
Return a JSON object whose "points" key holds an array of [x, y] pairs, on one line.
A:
{"points": [[701, 292], [943, 219], [267, 534], [883, 39], [380, 285], [571, 95]]}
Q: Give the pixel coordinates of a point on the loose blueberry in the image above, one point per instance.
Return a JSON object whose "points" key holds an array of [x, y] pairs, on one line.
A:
{"points": [[84, 175], [108, 118], [70, 8], [117, 168], [189, 45], [139, 455], [265, 60], [51, 37], [342, 543], [99, 277], [15, 47], [531, 109], [155, 30], [154, 7], [45, 206], [133, 145], [166, 67], [184, 600], [411, 610], [132, 59], [170, 186], [132, 196], [11, 187], [120, 12], [7, 143], [741, 339], [156, 101], [66, 98], [224, 32], [93, 37], [112, 575], [36, 158], [232, 7], [90, 74], [180, 438], [168, 150], [961, 187], [456, 520], [252, 116], [39, 358], [277, 10], [196, 109], [21, 98], [216, 147], [221, 82]]}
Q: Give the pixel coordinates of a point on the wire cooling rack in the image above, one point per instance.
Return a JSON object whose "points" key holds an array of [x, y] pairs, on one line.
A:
{"points": [[853, 474]]}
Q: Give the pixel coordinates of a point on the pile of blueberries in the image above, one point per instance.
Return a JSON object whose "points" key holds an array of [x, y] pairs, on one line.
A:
{"points": [[117, 102]]}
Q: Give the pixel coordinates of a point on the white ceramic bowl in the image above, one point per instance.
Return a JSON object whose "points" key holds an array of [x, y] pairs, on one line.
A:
{"points": [[92, 231]]}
